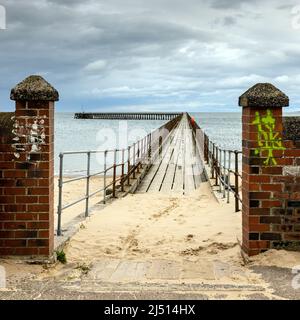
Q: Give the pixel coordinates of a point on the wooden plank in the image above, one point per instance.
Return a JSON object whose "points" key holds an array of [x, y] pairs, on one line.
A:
{"points": [[179, 167], [176, 178], [168, 180], [169, 169], [178, 181], [147, 181], [167, 186], [154, 178], [198, 171], [189, 163], [159, 177]]}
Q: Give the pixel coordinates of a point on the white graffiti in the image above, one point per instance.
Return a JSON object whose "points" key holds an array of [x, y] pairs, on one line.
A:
{"points": [[28, 137]]}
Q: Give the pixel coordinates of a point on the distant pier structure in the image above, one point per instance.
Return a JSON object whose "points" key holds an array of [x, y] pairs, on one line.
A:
{"points": [[128, 115]]}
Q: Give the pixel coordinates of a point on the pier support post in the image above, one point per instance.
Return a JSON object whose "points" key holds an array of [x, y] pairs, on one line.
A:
{"points": [[27, 183]]}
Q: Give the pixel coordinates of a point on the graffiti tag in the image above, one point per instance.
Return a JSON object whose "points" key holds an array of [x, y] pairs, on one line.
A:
{"points": [[28, 137], [268, 140]]}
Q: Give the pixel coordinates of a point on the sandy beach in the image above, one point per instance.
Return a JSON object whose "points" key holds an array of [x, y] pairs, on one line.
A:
{"points": [[157, 240], [157, 225], [200, 226], [154, 239]]}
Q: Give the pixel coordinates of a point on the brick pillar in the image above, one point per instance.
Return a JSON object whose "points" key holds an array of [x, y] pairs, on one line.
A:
{"points": [[27, 184], [263, 160]]}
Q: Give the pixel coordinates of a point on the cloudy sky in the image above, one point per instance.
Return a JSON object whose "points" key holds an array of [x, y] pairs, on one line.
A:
{"points": [[194, 55]]}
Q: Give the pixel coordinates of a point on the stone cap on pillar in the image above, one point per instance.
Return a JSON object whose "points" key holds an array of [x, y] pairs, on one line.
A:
{"points": [[34, 88], [264, 95]]}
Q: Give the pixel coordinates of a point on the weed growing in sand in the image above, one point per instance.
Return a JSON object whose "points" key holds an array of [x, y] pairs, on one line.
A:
{"points": [[61, 256]]}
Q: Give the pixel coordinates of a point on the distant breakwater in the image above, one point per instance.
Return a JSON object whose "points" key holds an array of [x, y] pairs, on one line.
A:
{"points": [[128, 115]]}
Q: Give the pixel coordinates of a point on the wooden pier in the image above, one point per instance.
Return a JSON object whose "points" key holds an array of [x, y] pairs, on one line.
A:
{"points": [[128, 115], [179, 168], [167, 160]]}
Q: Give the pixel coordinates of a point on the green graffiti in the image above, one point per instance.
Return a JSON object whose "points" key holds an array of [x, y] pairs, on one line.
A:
{"points": [[268, 140]]}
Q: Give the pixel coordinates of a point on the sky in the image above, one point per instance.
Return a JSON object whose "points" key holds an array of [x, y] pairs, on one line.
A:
{"points": [[151, 55]]}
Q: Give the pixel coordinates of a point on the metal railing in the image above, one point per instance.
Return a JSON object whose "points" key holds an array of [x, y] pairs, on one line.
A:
{"points": [[126, 165], [224, 165]]}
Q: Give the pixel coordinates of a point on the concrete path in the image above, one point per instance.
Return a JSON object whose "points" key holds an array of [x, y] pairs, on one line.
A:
{"points": [[103, 281]]}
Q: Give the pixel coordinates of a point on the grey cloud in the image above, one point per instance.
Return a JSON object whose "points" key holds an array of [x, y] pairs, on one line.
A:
{"points": [[68, 2], [160, 51], [228, 4], [286, 6], [74, 38], [227, 21]]}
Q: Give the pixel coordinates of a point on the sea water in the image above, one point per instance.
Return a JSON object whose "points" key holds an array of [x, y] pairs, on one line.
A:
{"points": [[91, 134]]}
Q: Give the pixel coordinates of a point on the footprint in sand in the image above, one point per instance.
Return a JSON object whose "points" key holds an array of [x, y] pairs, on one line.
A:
{"points": [[130, 241], [189, 237], [107, 251], [202, 197], [179, 221], [158, 243], [166, 211], [136, 250], [192, 251], [212, 251]]}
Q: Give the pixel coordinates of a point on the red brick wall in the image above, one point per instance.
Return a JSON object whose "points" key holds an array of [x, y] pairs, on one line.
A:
{"points": [[271, 194], [27, 186], [288, 194], [26, 189]]}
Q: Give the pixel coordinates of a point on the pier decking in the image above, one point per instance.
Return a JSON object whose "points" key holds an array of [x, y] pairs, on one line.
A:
{"points": [[167, 160], [128, 115], [179, 168]]}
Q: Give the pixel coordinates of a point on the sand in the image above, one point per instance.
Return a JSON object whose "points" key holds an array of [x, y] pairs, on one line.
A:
{"points": [[196, 233], [277, 258], [156, 225]]}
